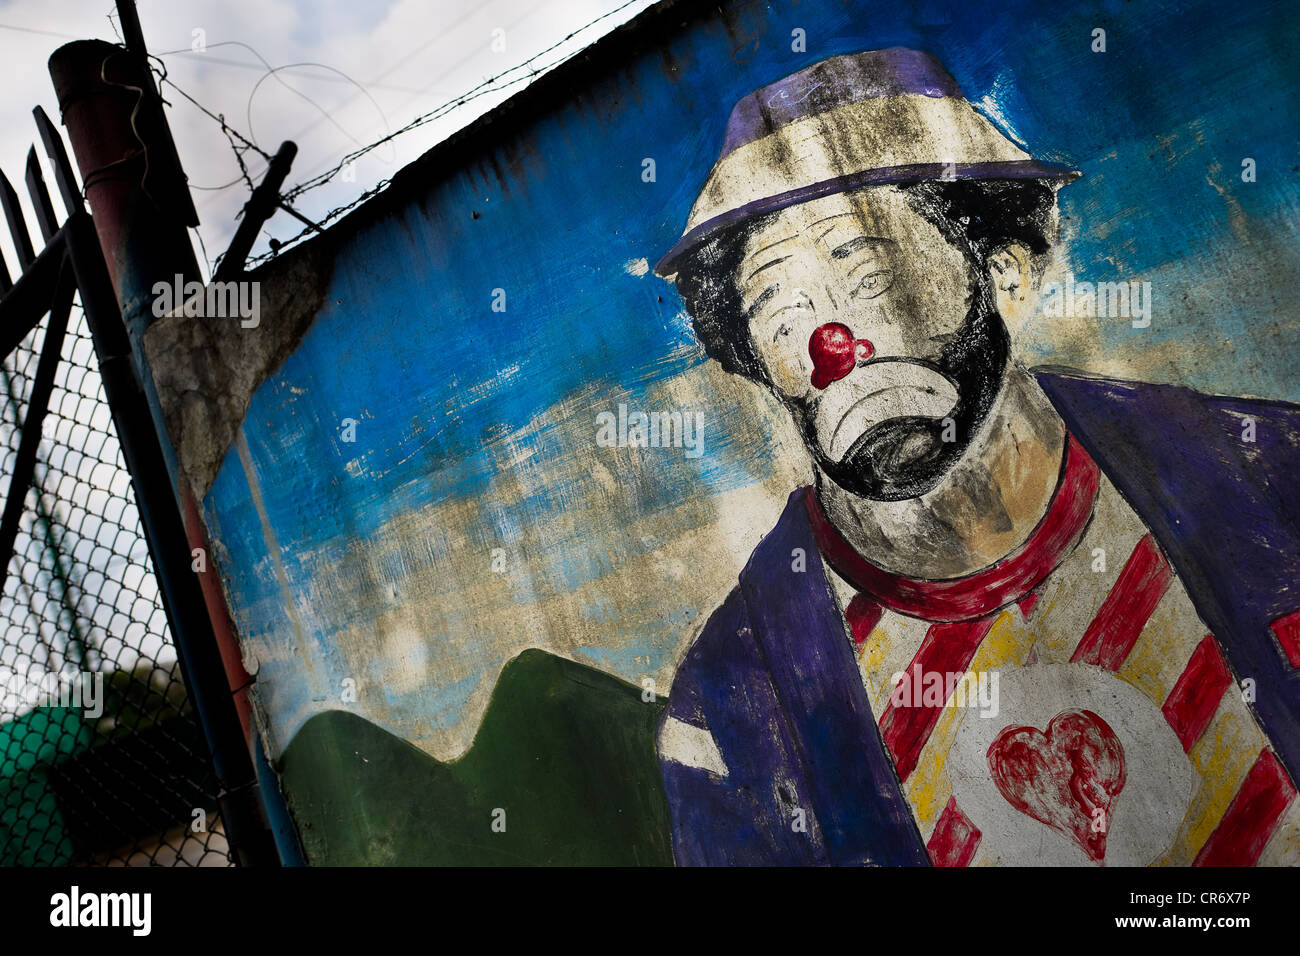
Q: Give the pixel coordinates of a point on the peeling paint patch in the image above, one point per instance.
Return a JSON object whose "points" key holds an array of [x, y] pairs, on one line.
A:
{"points": [[207, 369]]}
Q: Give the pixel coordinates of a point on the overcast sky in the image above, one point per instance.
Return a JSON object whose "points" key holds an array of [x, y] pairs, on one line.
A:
{"points": [[381, 64]]}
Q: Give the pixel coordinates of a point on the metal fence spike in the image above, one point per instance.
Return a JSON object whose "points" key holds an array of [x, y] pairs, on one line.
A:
{"points": [[17, 226], [41, 204], [64, 177]]}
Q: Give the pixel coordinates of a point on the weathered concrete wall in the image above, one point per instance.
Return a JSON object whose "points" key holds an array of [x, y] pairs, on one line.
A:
{"points": [[207, 368]]}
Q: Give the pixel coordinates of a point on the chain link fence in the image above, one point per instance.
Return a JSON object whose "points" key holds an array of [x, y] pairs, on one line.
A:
{"points": [[102, 760]]}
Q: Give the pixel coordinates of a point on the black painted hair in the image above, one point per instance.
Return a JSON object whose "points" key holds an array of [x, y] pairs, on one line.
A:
{"points": [[977, 216]]}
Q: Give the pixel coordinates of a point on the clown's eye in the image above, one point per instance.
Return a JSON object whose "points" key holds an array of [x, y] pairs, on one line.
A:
{"points": [[781, 329], [873, 283]]}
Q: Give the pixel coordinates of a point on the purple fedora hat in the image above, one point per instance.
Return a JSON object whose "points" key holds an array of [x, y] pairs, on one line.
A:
{"points": [[861, 119]]}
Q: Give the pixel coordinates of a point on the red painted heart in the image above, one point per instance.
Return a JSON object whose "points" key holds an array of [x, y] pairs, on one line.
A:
{"points": [[1066, 778]]}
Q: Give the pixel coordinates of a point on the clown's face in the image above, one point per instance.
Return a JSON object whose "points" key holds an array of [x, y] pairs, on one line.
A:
{"points": [[877, 333]]}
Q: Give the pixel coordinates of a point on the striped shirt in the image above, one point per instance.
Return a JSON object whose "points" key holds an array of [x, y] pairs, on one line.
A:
{"points": [[1088, 719]]}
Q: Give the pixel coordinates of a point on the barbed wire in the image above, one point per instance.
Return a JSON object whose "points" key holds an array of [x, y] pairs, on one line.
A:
{"points": [[230, 132], [270, 71], [436, 113], [492, 84], [278, 245], [113, 23], [208, 59]]}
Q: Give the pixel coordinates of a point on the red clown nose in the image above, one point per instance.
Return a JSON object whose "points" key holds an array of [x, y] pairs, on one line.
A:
{"points": [[835, 352]]}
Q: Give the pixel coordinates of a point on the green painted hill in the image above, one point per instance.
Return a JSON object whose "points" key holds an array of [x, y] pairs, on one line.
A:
{"points": [[565, 750]]}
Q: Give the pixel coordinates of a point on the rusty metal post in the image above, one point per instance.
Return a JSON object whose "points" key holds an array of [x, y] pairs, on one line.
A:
{"points": [[141, 208], [141, 211], [264, 201]]}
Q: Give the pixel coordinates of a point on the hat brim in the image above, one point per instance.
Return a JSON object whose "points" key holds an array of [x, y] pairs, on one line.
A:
{"points": [[893, 175]]}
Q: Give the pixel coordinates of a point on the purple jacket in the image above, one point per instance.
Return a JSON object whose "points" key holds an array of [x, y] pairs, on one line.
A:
{"points": [[773, 678]]}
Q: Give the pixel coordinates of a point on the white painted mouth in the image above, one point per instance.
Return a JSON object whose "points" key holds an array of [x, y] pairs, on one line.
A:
{"points": [[876, 393]]}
